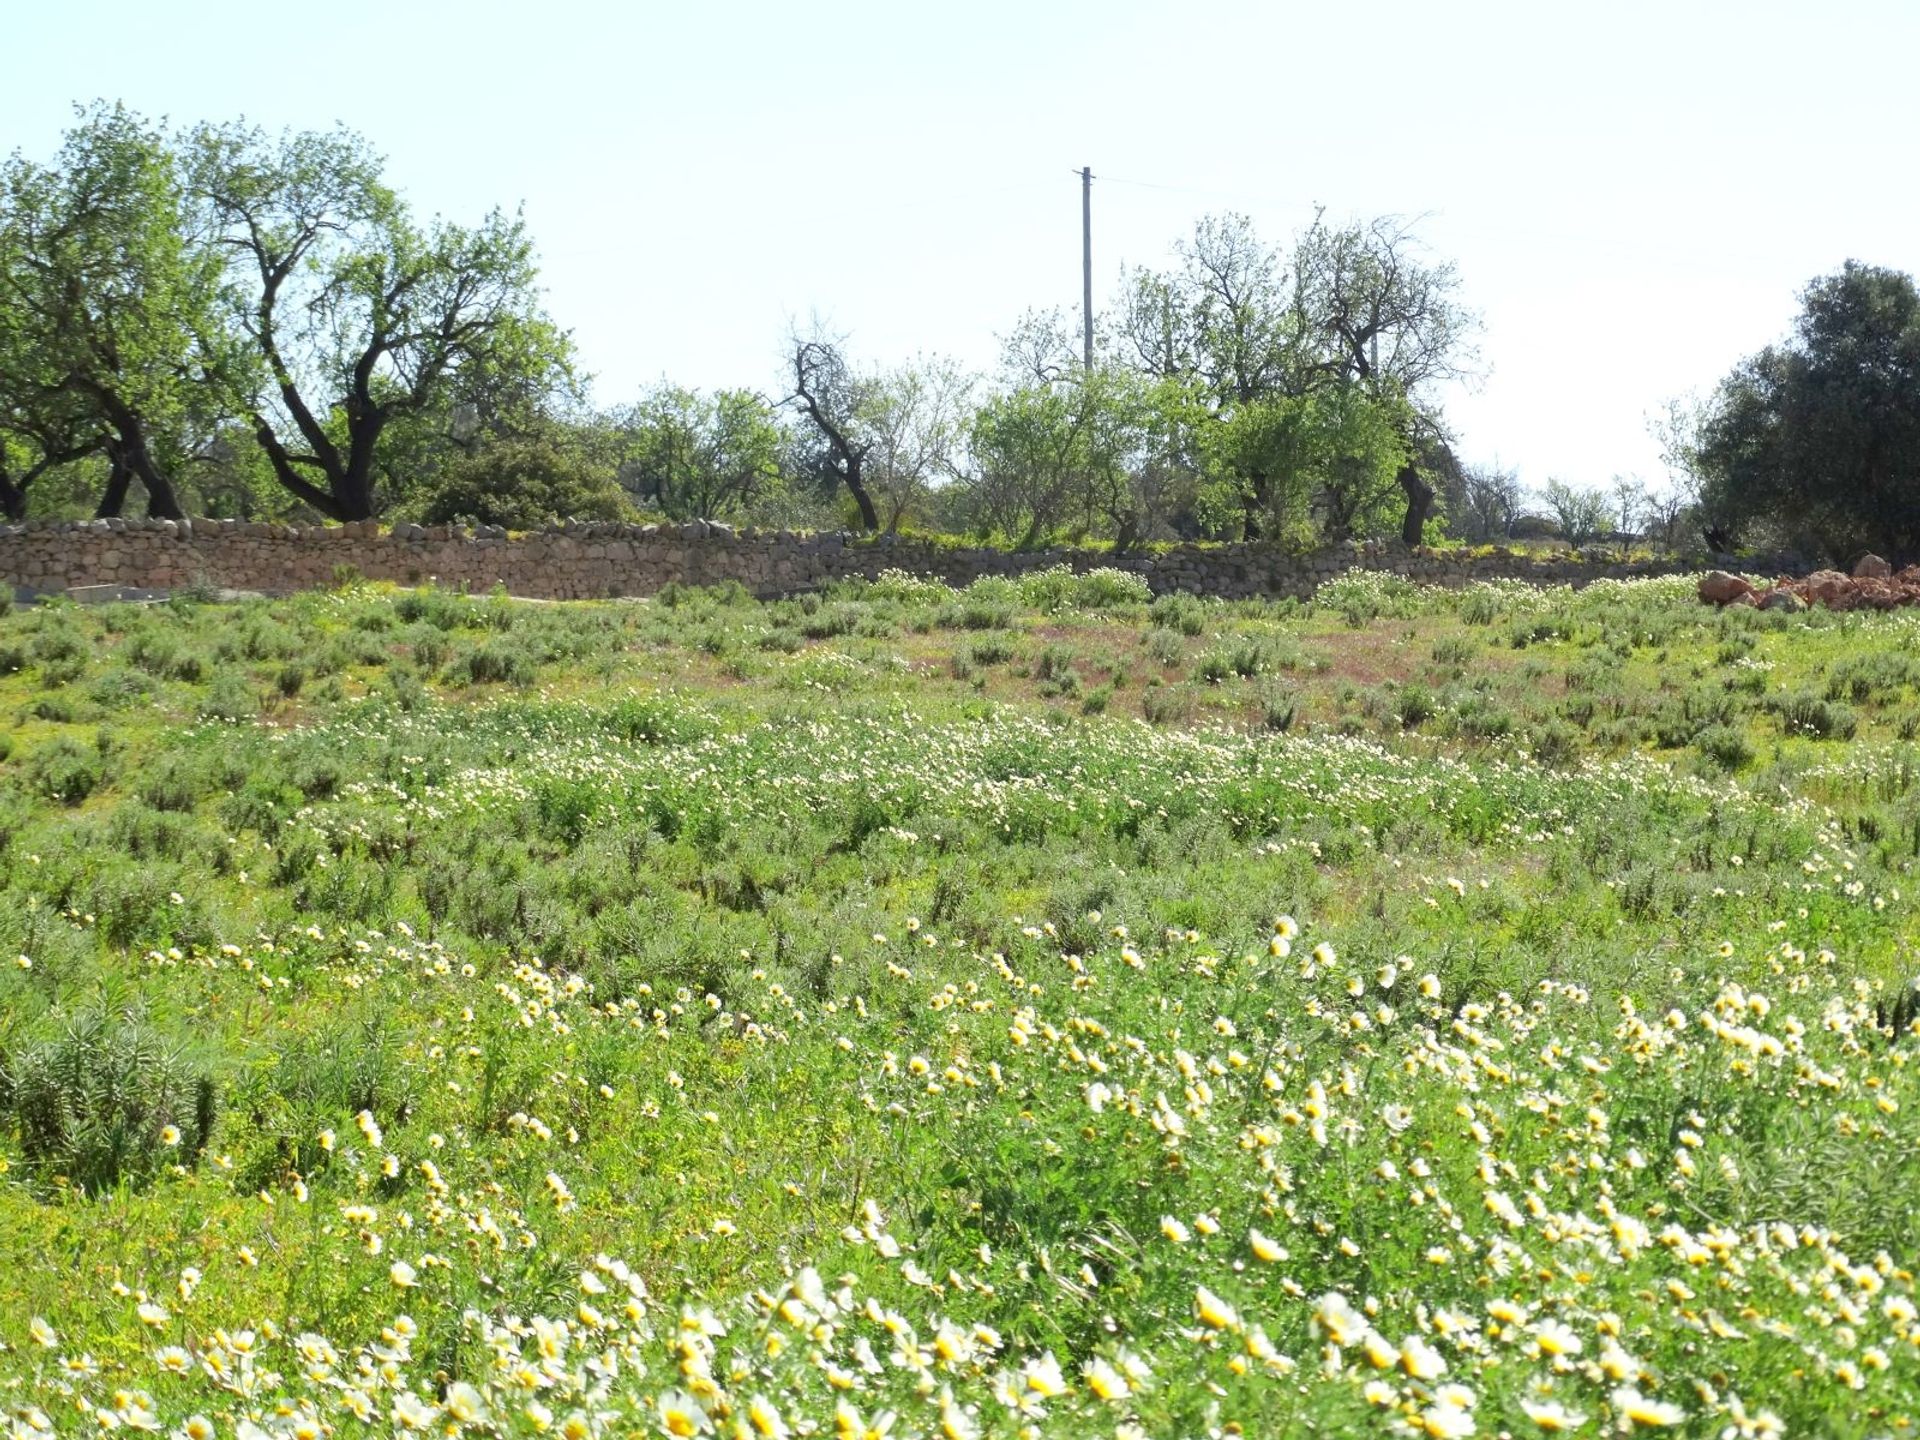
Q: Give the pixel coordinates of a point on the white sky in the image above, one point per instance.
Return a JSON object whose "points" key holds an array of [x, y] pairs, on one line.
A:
{"points": [[1634, 193]]}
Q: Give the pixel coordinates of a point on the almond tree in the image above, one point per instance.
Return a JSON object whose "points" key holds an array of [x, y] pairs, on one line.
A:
{"points": [[354, 314], [107, 328]]}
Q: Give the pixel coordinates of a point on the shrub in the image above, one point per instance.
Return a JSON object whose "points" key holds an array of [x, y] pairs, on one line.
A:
{"points": [[1279, 703], [229, 699], [1104, 587], [973, 612], [652, 720], [107, 1101], [66, 771], [1165, 705], [908, 588], [1802, 712], [1179, 612], [525, 483], [1363, 595], [1725, 746], [1414, 706], [1554, 744], [1165, 647], [993, 651], [1866, 678], [1055, 663], [1478, 718], [174, 783], [493, 662]]}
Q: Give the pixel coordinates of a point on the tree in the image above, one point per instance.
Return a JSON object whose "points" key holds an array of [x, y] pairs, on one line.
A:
{"points": [[1352, 307], [526, 482], [1630, 501], [1819, 436], [917, 415], [1333, 455], [356, 316], [1382, 318], [1225, 322], [699, 457], [1582, 515], [36, 437], [1029, 445], [835, 401], [107, 325], [885, 438], [1488, 503]]}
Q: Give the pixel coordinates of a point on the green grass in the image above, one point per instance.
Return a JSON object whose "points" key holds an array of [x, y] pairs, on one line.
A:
{"points": [[1415, 1012]]}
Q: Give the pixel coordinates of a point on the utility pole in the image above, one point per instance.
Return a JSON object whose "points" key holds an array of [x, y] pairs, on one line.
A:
{"points": [[1086, 260]]}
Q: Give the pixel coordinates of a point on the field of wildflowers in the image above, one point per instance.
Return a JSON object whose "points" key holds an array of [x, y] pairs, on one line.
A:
{"points": [[1029, 1010]]}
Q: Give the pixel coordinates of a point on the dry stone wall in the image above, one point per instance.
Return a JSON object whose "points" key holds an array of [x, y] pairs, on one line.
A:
{"points": [[588, 561]]}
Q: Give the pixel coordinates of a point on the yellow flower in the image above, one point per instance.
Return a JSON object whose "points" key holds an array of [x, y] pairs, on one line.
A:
{"points": [[1269, 1251], [1637, 1410], [1104, 1381], [1212, 1311], [464, 1403], [681, 1415], [1420, 1360], [1552, 1415], [1342, 1323], [1551, 1338], [765, 1419], [1380, 1352]]}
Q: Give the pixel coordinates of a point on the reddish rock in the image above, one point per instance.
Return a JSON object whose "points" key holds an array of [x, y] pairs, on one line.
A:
{"points": [[1827, 587], [1717, 587]]}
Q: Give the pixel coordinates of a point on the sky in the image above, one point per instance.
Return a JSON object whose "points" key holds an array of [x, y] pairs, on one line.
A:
{"points": [[1633, 194]]}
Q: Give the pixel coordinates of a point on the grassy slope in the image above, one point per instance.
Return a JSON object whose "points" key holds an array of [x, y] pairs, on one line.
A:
{"points": [[676, 953]]}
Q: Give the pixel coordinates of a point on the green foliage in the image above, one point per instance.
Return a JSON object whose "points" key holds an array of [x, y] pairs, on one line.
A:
{"points": [[464, 958], [524, 483], [65, 771], [104, 1102], [1582, 516], [1818, 438], [700, 457]]}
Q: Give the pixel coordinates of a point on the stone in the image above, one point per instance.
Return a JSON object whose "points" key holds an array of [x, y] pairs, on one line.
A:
{"points": [[1782, 600], [1872, 567], [1828, 587], [1717, 587]]}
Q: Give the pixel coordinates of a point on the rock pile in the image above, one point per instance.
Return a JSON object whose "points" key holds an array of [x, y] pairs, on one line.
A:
{"points": [[1874, 585]]}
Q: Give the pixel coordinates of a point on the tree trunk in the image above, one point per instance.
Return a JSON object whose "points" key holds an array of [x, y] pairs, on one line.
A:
{"points": [[132, 453], [114, 498], [162, 503], [1419, 504], [1253, 506], [869, 516], [353, 488], [13, 498]]}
